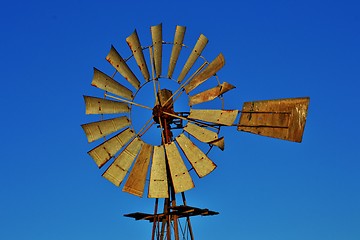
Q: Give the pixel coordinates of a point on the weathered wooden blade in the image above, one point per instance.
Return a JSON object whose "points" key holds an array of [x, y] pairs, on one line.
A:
{"points": [[222, 117], [204, 135], [282, 118], [106, 83], [118, 169], [196, 52], [99, 129], [179, 174], [120, 65], [199, 161], [94, 105], [156, 34], [105, 151], [209, 71], [134, 44], [175, 52], [158, 186], [210, 94], [135, 183]]}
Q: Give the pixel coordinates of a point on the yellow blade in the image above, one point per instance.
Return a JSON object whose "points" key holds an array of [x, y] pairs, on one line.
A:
{"points": [[222, 117], [204, 135], [96, 105], [282, 118], [199, 161], [118, 169], [135, 46], [102, 153], [208, 72], [158, 186], [196, 52], [106, 83], [120, 65], [210, 94], [178, 42], [96, 130], [156, 34], [135, 183], [179, 174]]}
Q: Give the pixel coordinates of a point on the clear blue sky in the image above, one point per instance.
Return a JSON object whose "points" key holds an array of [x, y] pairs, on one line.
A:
{"points": [[264, 189]]}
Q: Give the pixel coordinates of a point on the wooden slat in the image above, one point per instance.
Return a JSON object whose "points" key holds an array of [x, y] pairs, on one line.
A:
{"points": [[208, 72], [204, 135], [158, 186], [94, 105], [135, 183], [210, 94], [175, 52], [134, 44], [194, 55], [120, 65], [199, 161], [156, 34], [106, 83], [105, 151], [222, 117], [118, 169], [282, 118], [99, 129], [179, 174]]}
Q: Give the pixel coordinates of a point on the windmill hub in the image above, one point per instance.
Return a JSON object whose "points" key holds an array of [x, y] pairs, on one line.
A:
{"points": [[164, 107]]}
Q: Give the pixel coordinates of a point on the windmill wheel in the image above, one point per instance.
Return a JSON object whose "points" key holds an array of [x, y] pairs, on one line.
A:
{"points": [[175, 155]]}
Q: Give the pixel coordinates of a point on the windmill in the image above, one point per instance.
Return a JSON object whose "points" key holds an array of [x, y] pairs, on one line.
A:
{"points": [[186, 136]]}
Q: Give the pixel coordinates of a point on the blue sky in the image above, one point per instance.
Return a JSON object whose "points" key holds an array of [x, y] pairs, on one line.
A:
{"points": [[263, 188]]}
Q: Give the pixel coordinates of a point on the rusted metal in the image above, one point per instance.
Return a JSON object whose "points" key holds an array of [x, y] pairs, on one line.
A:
{"points": [[119, 168], [220, 117], [198, 159], [135, 183], [180, 176], [158, 186], [281, 118], [210, 94], [156, 34], [204, 135], [99, 129], [106, 83], [208, 72], [105, 151], [120, 65], [134, 44], [175, 52], [94, 105], [194, 55]]}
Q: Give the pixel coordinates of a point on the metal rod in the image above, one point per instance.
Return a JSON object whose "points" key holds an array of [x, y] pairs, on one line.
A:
{"points": [[187, 119], [127, 101]]}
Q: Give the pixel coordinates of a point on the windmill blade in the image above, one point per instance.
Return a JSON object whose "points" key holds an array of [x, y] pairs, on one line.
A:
{"points": [[158, 186], [99, 129], [134, 44], [180, 176], [156, 34], [204, 135], [194, 55], [106, 83], [94, 105], [120, 65], [105, 151], [210, 94], [221, 117], [135, 183], [283, 118], [118, 169], [208, 72], [175, 52], [199, 161]]}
